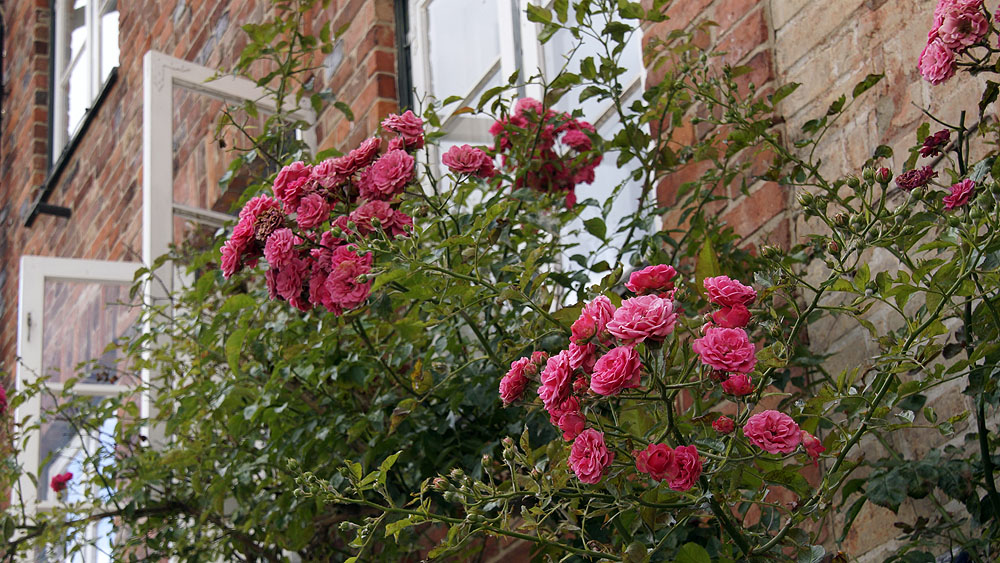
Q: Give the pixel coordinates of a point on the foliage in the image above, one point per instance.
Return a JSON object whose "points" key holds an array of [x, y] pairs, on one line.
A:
{"points": [[363, 435]]}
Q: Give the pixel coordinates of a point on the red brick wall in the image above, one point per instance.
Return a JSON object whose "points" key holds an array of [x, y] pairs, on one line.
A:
{"points": [[102, 180]]}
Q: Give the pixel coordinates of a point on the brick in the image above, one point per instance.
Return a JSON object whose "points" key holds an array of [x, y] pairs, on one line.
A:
{"points": [[751, 212]]}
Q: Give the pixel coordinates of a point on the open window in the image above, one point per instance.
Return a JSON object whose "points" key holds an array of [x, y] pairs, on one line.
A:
{"points": [[71, 312]]}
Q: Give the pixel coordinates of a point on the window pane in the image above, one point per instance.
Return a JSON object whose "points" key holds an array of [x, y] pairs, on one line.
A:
{"points": [[464, 42], [69, 450], [109, 40], [77, 91], [80, 320]]}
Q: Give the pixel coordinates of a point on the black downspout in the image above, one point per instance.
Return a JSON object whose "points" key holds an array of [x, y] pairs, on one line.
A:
{"points": [[404, 81]]}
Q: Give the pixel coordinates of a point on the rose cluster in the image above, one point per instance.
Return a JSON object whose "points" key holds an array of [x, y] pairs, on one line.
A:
{"points": [[304, 231], [559, 153], [59, 481], [958, 25], [725, 345], [600, 361]]}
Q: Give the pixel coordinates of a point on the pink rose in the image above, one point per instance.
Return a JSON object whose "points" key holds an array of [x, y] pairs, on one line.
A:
{"points": [[738, 384], [325, 174], [593, 320], [812, 446], [616, 370], [688, 468], [409, 126], [589, 458], [312, 211], [343, 287], [936, 62], [680, 467], [3, 400], [723, 425], [280, 247], [288, 184], [727, 292], [513, 383], [396, 144], [539, 358], [644, 317], [362, 216], [342, 168], [555, 380], [556, 411], [657, 461], [736, 316], [571, 423], [466, 159], [960, 195], [582, 356], [961, 26], [58, 482], [773, 432], [256, 206], [388, 176], [652, 279], [577, 140], [726, 349], [289, 278], [230, 258]]}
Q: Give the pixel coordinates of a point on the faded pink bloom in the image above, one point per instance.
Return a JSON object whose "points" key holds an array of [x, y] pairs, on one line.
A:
{"points": [[727, 292], [652, 279], [726, 349], [409, 126], [58, 482], [589, 458], [936, 62], [773, 432], [960, 25], [571, 423], [960, 195], [738, 384], [512, 384], [641, 318], [388, 176], [555, 380], [723, 425], [313, 210], [736, 316], [256, 206], [593, 320], [345, 286], [812, 446], [916, 178], [289, 181], [280, 247], [582, 356], [616, 370], [466, 159]]}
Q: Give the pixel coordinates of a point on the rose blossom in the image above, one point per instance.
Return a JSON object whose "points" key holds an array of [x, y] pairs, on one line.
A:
{"points": [[688, 468], [961, 25], [363, 216], [344, 290], [287, 184], [58, 482], [936, 62], [812, 446], [916, 178], [577, 140], [960, 194], [652, 279], [582, 356], [593, 320], [556, 411], [3, 400], [409, 126], [680, 467], [644, 317], [723, 425], [726, 349], [572, 424], [513, 383], [773, 432], [466, 159], [736, 316], [727, 292], [589, 458], [616, 370], [388, 176], [313, 210], [657, 460], [230, 258], [289, 278], [738, 384], [280, 247], [555, 380], [345, 166], [539, 358], [933, 144]]}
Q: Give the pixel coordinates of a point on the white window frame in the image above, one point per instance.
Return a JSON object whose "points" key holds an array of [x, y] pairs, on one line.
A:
{"points": [[35, 271], [62, 67]]}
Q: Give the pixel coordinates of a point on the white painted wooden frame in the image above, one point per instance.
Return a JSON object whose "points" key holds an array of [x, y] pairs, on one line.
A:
{"points": [[161, 74], [34, 272]]}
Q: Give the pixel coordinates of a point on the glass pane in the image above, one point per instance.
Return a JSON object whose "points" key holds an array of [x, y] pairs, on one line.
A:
{"points": [[80, 320], [76, 89], [464, 42], [109, 39], [77, 29], [69, 450]]}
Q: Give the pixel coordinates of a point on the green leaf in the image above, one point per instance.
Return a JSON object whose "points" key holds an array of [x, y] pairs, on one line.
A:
{"points": [[783, 92], [692, 553], [234, 346], [562, 10], [345, 109], [887, 488], [596, 227], [393, 528], [864, 85], [815, 555], [708, 266], [538, 14]]}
